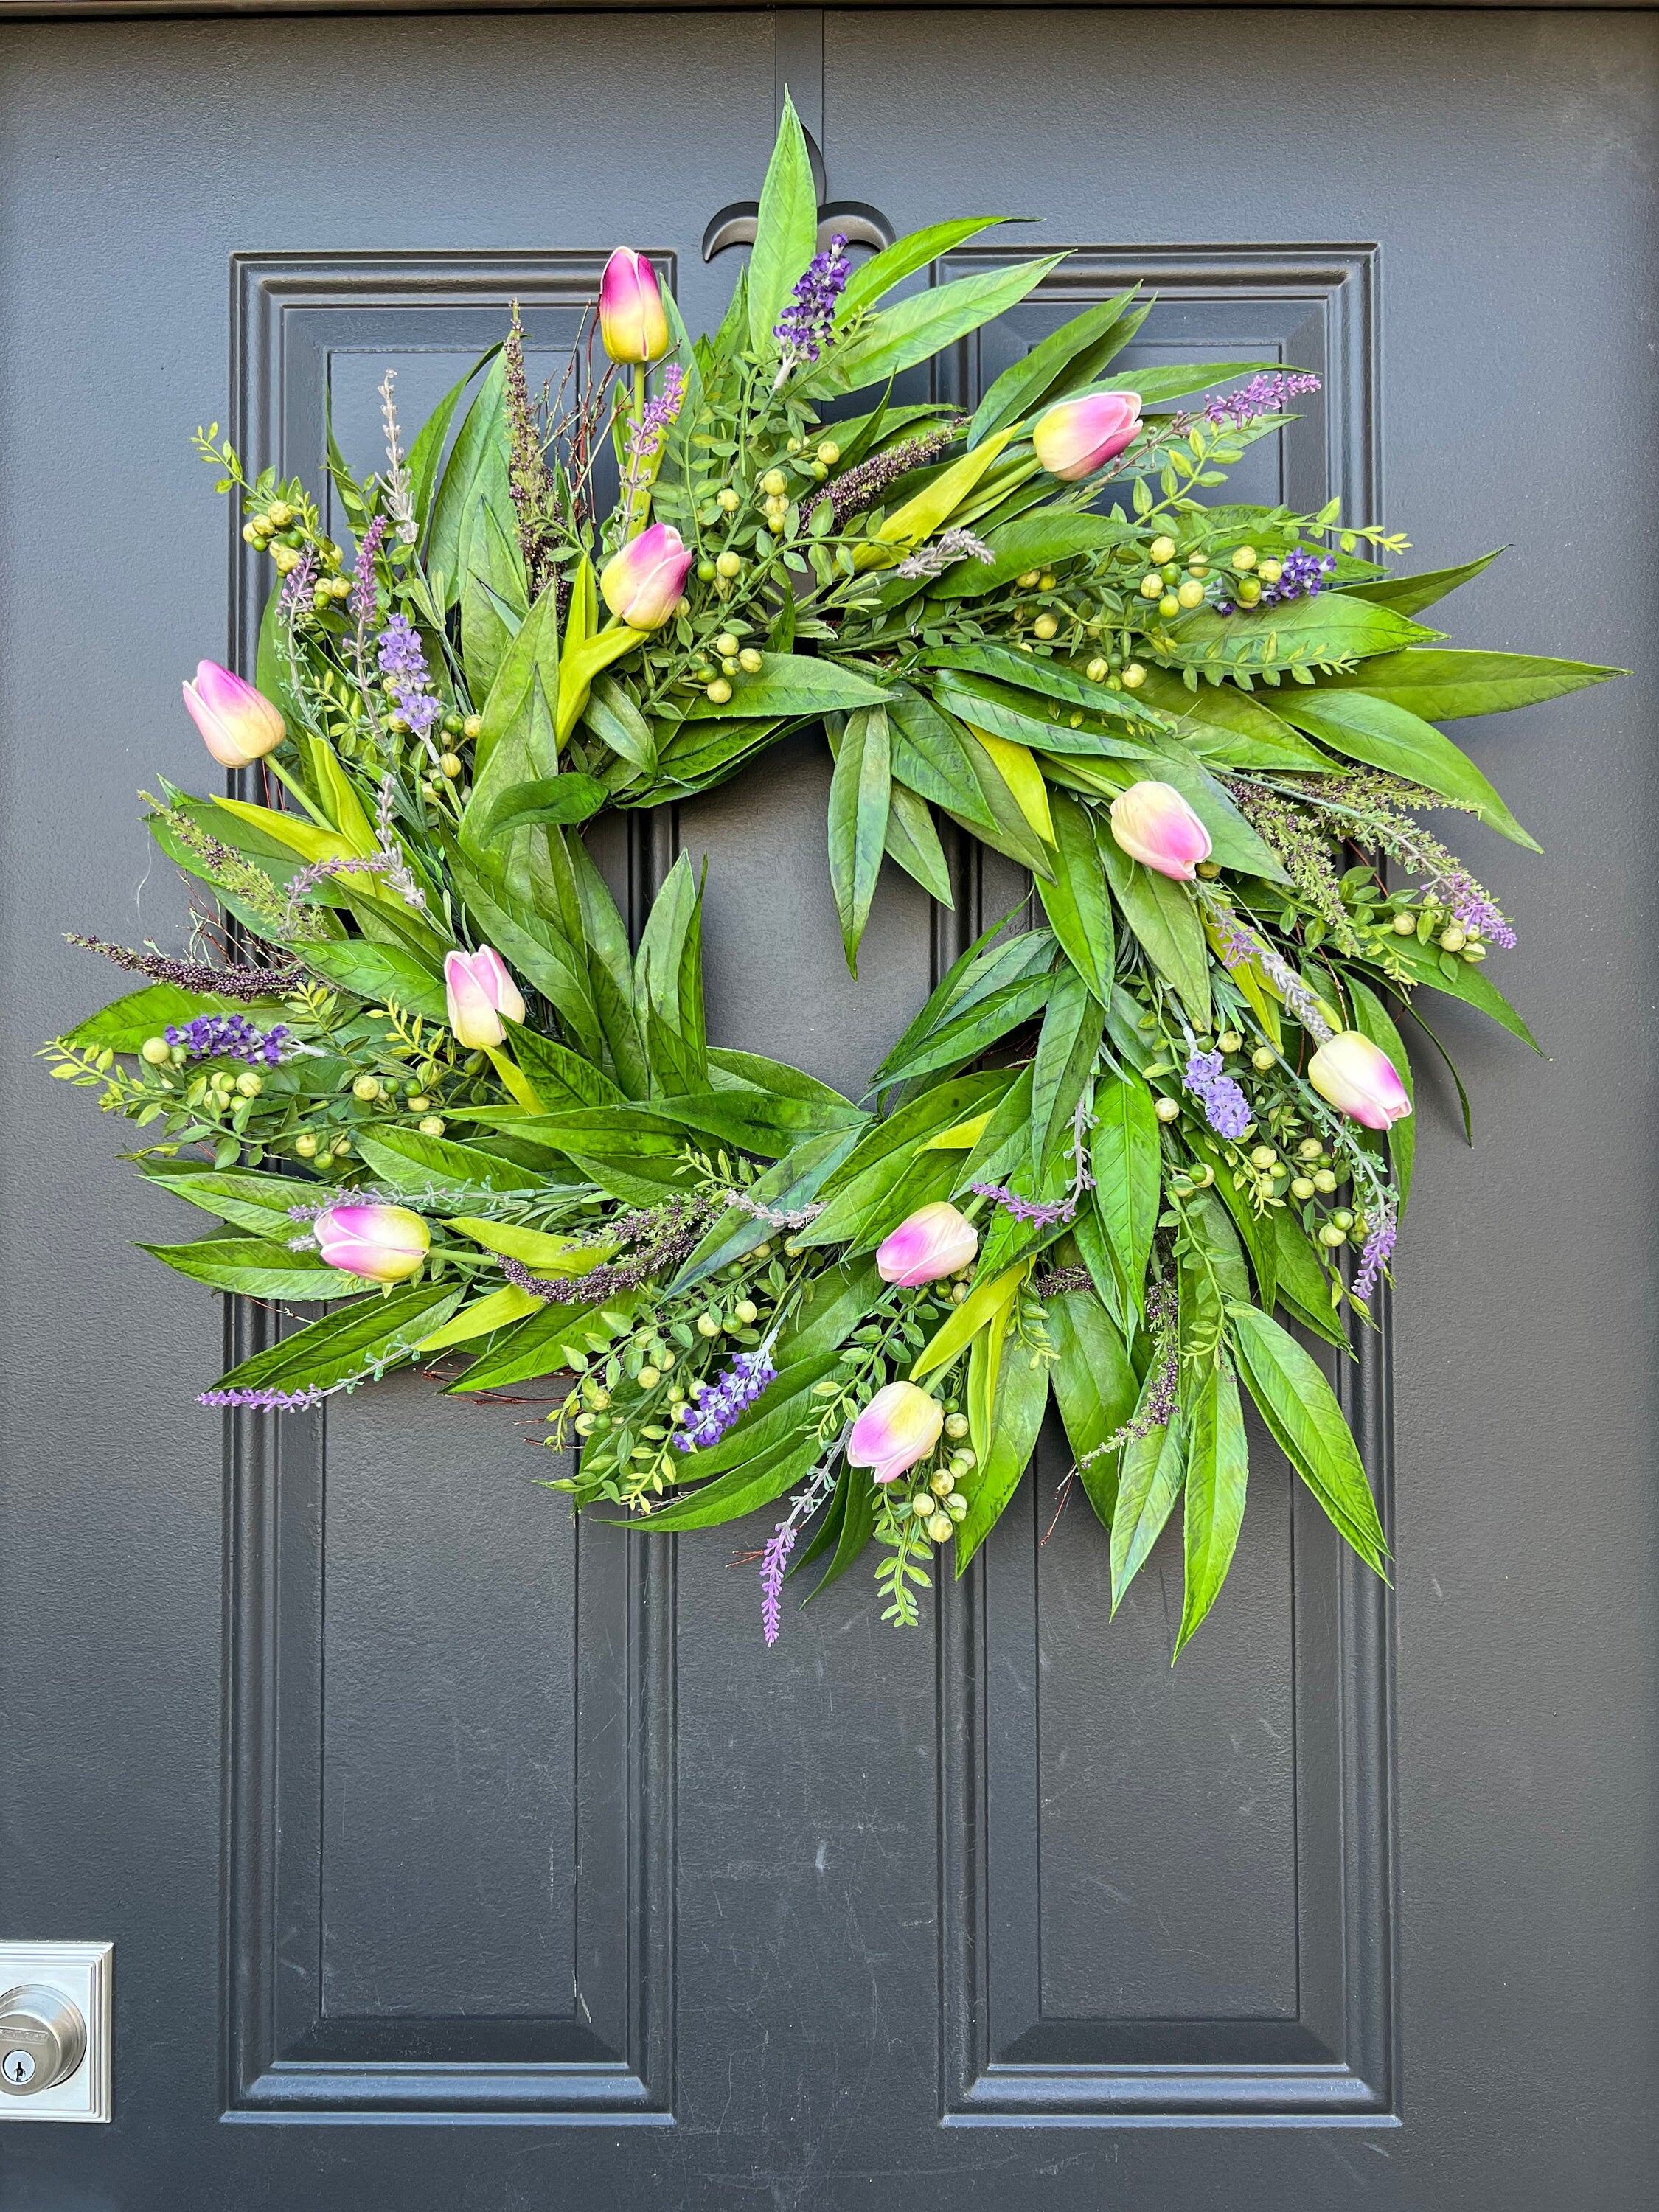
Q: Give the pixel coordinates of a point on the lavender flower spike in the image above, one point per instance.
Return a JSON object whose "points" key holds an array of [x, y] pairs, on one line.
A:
{"points": [[1225, 1107], [265, 1401], [804, 327], [231, 1036], [718, 1404], [1262, 395]]}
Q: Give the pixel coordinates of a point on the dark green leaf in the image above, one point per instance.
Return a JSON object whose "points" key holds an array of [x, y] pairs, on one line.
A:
{"points": [[1022, 1395], [256, 1267], [793, 684], [1066, 1046], [1165, 921], [1410, 595], [1127, 1168], [1386, 735], [1076, 902], [366, 1334], [1149, 1482], [1096, 1388], [896, 337], [860, 794], [566, 798], [1300, 1409], [1370, 1019], [1068, 355], [1308, 633], [1218, 1466], [1443, 686]]}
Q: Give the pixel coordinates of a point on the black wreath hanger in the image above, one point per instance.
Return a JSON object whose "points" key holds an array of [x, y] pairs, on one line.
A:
{"points": [[855, 221]]}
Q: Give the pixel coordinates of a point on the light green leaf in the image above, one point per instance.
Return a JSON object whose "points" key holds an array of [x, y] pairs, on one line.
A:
{"points": [[1149, 1482], [1371, 1019], [1022, 1395], [569, 797], [971, 1316], [1308, 633], [912, 843], [125, 1024], [896, 338], [493, 1311], [379, 973], [412, 1163], [1095, 1389], [786, 231], [255, 1267], [1410, 595], [905, 255]]}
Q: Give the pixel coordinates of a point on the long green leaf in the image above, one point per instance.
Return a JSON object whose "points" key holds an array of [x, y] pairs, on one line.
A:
{"points": [[379, 973], [1149, 1482], [905, 256], [1066, 1045], [427, 451], [1128, 1177], [1071, 355], [786, 231], [1299, 1408], [1095, 1389], [860, 794], [1410, 595], [476, 471], [1386, 735], [370, 1332], [256, 1267], [406, 1159], [1443, 686], [1076, 902], [793, 684], [1164, 920], [1217, 1467], [1310, 633], [1371, 1019], [917, 328], [547, 798], [1022, 1395]]}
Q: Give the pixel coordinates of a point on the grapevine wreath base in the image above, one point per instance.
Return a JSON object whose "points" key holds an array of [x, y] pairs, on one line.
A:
{"points": [[413, 1067]]}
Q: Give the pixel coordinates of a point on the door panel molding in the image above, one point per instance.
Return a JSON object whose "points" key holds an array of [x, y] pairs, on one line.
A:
{"points": [[603, 2051], [1326, 2051]]}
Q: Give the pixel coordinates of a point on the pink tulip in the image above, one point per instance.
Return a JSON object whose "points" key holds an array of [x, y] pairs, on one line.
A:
{"points": [[480, 991], [1081, 435], [646, 581], [1155, 825], [1359, 1079], [382, 1243], [900, 1426], [631, 319], [238, 724], [936, 1240]]}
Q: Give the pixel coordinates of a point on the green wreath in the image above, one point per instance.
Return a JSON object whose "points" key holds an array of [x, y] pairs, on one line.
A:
{"points": [[415, 1048]]}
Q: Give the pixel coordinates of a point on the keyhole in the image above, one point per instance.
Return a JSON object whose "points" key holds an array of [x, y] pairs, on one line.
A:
{"points": [[20, 2067]]}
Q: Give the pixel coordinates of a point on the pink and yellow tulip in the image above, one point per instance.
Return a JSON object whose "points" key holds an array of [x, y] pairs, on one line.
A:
{"points": [[1154, 825], [934, 1241], [900, 1426], [238, 724], [1081, 435], [1359, 1079], [382, 1244], [644, 581], [631, 319], [480, 992]]}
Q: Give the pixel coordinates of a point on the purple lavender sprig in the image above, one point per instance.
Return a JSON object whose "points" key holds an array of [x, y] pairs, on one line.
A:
{"points": [[231, 1036], [402, 663], [717, 1405], [1225, 1107], [199, 976], [364, 596], [1044, 1213], [782, 1542], [1378, 1249], [1262, 395], [297, 584], [807, 323], [265, 1401]]}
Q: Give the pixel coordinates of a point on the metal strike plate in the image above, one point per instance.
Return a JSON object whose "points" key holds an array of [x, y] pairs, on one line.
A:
{"points": [[59, 2000]]}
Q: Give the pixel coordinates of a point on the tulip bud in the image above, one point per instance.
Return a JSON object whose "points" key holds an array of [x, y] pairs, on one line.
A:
{"points": [[631, 319], [480, 991], [382, 1244], [900, 1426], [238, 724], [1154, 825], [1081, 435], [1359, 1079], [934, 1241], [644, 581]]}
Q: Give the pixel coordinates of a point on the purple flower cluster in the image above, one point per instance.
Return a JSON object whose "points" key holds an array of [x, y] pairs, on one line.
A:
{"points": [[1377, 1252], [231, 1036], [1262, 395], [1475, 910], [402, 663], [1303, 575], [1225, 1107], [265, 1401], [362, 575], [718, 1403], [803, 330]]}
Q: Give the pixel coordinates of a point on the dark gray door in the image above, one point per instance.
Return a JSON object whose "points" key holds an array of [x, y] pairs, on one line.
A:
{"points": [[452, 1859]]}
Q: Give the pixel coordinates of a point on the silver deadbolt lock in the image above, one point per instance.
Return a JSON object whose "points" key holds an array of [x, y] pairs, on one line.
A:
{"points": [[43, 2038]]}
